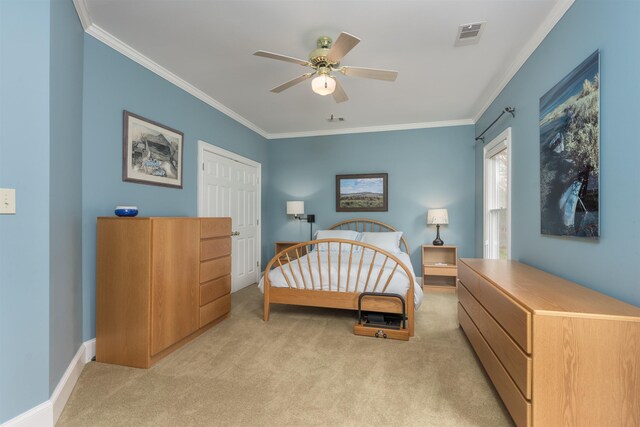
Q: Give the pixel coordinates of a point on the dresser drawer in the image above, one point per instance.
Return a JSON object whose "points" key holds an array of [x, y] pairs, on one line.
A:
{"points": [[215, 268], [513, 318], [215, 227], [516, 404], [514, 360], [214, 289], [469, 278], [214, 248], [215, 309], [440, 271]]}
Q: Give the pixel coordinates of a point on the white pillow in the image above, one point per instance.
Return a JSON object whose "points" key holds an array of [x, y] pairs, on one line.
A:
{"points": [[338, 234], [386, 240]]}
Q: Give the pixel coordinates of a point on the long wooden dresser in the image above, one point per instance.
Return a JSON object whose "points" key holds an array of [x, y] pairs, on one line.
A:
{"points": [[160, 282], [558, 354]]}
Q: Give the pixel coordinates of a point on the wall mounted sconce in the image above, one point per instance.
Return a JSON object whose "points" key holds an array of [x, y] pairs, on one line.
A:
{"points": [[296, 208]]}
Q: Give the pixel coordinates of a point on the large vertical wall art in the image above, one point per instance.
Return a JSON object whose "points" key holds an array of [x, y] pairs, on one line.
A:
{"points": [[570, 153]]}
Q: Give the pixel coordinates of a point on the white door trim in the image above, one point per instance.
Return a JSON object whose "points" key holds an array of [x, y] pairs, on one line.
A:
{"points": [[497, 144], [205, 146]]}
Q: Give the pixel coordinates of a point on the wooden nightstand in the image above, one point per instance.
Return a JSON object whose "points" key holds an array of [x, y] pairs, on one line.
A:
{"points": [[280, 246], [439, 267]]}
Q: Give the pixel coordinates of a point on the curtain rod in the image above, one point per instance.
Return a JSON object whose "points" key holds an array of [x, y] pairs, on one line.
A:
{"points": [[510, 110]]}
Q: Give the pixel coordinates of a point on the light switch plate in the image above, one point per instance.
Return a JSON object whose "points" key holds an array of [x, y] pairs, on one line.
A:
{"points": [[7, 201]]}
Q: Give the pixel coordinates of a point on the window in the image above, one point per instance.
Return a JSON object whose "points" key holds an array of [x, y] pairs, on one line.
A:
{"points": [[497, 197]]}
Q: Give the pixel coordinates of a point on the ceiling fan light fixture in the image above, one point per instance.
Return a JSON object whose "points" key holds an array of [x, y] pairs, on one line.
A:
{"points": [[324, 60], [323, 85]]}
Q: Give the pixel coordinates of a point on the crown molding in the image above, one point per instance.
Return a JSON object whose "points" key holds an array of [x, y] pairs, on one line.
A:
{"points": [[83, 13], [557, 12], [115, 43], [367, 129], [110, 40], [107, 38]]}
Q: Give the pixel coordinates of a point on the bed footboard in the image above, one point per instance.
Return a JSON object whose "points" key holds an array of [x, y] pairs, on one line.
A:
{"points": [[305, 285]]}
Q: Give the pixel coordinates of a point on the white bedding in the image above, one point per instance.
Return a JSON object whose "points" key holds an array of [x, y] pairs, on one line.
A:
{"points": [[399, 282]]}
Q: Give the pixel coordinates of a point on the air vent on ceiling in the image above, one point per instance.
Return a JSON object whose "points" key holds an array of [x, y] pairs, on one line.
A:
{"points": [[469, 33]]}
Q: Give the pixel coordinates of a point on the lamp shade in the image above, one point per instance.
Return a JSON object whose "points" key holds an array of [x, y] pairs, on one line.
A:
{"points": [[295, 208], [437, 216], [323, 85]]}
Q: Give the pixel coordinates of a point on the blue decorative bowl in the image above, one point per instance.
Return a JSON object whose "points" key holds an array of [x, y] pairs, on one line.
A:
{"points": [[126, 210]]}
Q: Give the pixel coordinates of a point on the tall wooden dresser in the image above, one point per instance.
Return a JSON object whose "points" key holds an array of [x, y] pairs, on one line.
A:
{"points": [[160, 282], [558, 354]]}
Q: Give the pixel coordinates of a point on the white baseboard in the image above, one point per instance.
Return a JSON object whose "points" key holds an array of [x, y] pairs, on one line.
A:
{"points": [[40, 416], [68, 381], [47, 413], [89, 350]]}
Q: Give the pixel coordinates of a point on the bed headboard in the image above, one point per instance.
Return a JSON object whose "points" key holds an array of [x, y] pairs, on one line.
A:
{"points": [[371, 225]]}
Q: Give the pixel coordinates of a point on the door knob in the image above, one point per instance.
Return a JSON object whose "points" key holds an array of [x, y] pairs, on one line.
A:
{"points": [[235, 233]]}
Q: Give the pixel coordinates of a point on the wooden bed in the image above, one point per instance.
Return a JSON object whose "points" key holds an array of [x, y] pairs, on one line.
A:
{"points": [[304, 290]]}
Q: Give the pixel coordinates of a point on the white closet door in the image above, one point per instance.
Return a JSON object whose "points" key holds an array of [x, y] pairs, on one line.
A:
{"points": [[230, 188]]}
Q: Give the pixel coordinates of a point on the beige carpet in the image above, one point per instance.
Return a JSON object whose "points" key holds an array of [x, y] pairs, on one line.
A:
{"points": [[302, 368]]}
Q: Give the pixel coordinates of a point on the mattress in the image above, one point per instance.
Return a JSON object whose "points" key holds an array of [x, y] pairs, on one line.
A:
{"points": [[399, 283]]}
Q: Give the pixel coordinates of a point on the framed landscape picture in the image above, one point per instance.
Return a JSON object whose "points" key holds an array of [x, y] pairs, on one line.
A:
{"points": [[362, 193], [151, 152], [570, 153]]}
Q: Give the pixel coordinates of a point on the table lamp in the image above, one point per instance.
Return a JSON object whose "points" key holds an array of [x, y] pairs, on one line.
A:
{"points": [[437, 217]]}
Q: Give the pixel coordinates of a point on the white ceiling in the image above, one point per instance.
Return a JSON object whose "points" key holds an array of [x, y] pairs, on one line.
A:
{"points": [[206, 47]]}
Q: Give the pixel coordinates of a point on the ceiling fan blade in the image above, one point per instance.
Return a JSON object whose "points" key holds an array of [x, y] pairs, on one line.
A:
{"points": [[369, 73], [290, 83], [341, 47], [279, 57], [339, 95]]}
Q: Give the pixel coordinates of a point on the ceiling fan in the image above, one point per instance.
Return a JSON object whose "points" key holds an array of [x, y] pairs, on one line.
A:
{"points": [[324, 60]]}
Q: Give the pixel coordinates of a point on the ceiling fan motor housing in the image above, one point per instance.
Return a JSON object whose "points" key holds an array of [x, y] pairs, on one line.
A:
{"points": [[318, 57]]}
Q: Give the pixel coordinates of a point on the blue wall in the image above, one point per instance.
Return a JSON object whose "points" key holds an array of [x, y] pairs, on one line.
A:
{"points": [[24, 165], [65, 188], [428, 168], [113, 83], [610, 264], [59, 86]]}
